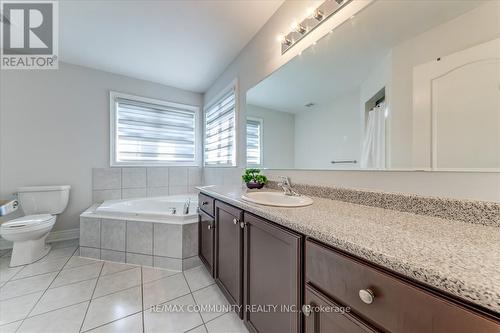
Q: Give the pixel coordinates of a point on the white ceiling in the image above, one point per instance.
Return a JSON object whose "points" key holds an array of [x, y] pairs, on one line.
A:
{"points": [[184, 44], [342, 60]]}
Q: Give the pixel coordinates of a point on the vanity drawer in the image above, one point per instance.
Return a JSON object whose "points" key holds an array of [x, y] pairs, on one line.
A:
{"points": [[206, 204], [397, 305], [320, 316]]}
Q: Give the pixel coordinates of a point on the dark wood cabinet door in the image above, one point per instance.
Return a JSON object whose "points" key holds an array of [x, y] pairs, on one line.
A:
{"points": [[206, 240], [229, 252], [272, 276], [324, 316]]}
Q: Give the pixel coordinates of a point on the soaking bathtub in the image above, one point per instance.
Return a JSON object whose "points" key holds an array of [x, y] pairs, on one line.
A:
{"points": [[144, 231], [168, 209]]}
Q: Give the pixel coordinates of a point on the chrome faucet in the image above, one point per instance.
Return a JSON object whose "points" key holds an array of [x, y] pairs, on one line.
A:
{"points": [[286, 186], [185, 211]]}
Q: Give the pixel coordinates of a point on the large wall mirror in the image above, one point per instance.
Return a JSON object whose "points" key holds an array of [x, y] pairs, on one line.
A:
{"points": [[403, 85]]}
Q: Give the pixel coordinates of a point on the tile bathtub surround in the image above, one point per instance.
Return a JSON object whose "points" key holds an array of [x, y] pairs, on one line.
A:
{"points": [[137, 182], [113, 235], [469, 211], [456, 257], [84, 295], [170, 246]]}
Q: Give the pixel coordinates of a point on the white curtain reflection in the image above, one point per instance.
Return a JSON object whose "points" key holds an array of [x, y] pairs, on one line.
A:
{"points": [[373, 149]]}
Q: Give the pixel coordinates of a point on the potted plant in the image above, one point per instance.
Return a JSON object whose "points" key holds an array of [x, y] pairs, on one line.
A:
{"points": [[253, 179]]}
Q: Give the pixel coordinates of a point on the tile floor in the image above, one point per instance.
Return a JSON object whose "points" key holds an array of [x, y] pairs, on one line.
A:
{"points": [[67, 293]]}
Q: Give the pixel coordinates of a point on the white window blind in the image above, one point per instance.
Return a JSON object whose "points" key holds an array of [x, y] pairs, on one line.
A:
{"points": [[254, 142], [152, 133], [220, 122]]}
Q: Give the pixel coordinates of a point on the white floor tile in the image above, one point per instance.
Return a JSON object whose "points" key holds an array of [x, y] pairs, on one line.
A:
{"points": [[210, 296], [118, 281], [10, 328], [73, 275], [115, 267], [112, 307], [41, 268], [64, 252], [181, 320], [198, 278], [6, 272], [153, 273], [17, 308], [228, 323], [64, 296], [66, 243], [77, 261], [67, 320], [199, 329], [27, 285], [131, 324], [164, 290]]}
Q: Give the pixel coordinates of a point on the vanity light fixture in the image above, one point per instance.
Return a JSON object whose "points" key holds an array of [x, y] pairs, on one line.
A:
{"points": [[283, 40], [300, 29], [314, 17], [318, 15]]}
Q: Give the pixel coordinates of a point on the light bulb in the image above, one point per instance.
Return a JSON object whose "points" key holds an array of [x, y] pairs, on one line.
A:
{"points": [[297, 27], [310, 12]]}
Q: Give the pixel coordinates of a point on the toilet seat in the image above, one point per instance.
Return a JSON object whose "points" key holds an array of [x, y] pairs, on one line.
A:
{"points": [[28, 222]]}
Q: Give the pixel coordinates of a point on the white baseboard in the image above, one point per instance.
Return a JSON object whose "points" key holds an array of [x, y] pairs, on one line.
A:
{"points": [[54, 236]]}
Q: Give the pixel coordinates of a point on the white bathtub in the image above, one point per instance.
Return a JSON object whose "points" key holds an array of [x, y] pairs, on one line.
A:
{"points": [[154, 209], [142, 231]]}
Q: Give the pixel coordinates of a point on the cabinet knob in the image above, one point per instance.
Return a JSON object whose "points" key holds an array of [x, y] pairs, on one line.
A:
{"points": [[306, 309], [204, 203], [367, 296], [235, 221], [210, 227]]}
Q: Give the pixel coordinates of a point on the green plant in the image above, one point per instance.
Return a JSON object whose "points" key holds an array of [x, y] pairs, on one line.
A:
{"points": [[253, 175]]}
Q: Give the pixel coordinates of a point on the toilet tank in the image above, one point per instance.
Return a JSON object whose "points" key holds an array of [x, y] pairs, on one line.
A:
{"points": [[43, 199]]}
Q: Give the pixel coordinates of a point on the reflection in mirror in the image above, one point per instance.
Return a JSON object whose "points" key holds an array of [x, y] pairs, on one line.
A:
{"points": [[402, 85]]}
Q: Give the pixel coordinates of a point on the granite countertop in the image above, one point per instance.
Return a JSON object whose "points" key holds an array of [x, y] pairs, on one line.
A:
{"points": [[459, 258]]}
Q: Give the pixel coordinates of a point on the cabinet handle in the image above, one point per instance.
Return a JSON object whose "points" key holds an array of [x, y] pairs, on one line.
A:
{"points": [[306, 309], [235, 221], [367, 296], [204, 203]]}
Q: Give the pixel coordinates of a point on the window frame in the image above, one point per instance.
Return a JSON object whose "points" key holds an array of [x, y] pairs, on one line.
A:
{"points": [[261, 141], [113, 95], [234, 85]]}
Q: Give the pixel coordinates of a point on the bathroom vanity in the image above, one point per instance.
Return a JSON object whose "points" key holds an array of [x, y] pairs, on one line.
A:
{"points": [[340, 267]]}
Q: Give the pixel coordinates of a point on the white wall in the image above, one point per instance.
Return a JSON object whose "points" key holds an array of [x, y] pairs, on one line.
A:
{"points": [[262, 56], [54, 128], [278, 134], [329, 132]]}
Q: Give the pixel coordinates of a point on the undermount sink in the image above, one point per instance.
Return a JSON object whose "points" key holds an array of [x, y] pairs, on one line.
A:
{"points": [[277, 199]]}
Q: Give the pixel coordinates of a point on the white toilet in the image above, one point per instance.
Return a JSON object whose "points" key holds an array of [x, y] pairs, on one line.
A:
{"points": [[41, 204]]}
